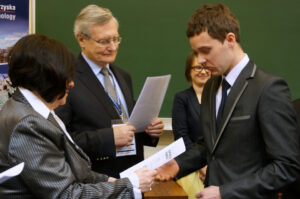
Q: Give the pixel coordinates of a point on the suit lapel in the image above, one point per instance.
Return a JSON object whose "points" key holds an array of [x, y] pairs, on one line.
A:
{"points": [[208, 110], [233, 97], [88, 78], [194, 101], [212, 106]]}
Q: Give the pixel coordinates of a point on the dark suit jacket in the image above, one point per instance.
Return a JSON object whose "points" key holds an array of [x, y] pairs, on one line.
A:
{"points": [[88, 114], [293, 191], [186, 117], [54, 166], [255, 153]]}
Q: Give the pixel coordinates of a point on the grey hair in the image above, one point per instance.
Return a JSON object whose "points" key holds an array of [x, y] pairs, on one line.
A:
{"points": [[92, 15]]}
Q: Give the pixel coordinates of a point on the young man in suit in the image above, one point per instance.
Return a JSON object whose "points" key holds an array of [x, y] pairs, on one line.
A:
{"points": [[250, 145], [103, 93]]}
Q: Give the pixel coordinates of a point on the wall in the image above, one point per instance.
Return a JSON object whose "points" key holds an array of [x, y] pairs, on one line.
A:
{"points": [[154, 41]]}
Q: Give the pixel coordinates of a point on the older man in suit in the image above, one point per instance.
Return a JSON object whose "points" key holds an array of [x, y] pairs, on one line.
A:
{"points": [[250, 142], [102, 94]]}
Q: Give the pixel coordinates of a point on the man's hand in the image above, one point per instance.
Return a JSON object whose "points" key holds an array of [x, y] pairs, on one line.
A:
{"points": [[123, 134], [146, 178], [155, 128], [167, 171], [211, 192]]}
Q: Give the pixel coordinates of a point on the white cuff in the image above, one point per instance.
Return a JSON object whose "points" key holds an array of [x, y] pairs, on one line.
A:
{"points": [[135, 183]]}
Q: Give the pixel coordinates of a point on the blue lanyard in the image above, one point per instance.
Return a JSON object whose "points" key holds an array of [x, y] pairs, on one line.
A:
{"points": [[117, 103]]}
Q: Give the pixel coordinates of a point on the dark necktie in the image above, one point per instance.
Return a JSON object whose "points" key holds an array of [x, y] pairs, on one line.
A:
{"points": [[225, 87], [110, 89]]}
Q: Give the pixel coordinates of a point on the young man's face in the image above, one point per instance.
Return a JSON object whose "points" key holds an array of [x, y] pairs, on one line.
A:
{"points": [[212, 54], [100, 54]]}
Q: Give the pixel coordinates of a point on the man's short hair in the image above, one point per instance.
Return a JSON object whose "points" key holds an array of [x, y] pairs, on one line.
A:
{"points": [[39, 63], [217, 20], [89, 16]]}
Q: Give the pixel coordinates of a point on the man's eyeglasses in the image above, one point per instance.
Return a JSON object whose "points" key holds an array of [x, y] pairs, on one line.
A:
{"points": [[105, 42], [199, 68]]}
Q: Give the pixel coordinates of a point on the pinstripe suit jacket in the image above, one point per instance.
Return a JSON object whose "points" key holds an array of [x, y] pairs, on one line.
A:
{"points": [[54, 166]]}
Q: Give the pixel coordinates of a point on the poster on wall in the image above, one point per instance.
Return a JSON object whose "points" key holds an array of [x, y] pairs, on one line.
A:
{"points": [[16, 21]]}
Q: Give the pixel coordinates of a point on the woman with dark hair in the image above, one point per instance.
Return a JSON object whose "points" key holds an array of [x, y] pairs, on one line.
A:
{"points": [[186, 105], [186, 117], [42, 71]]}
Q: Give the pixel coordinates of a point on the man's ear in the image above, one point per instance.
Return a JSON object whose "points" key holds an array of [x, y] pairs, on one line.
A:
{"points": [[80, 38], [230, 38]]}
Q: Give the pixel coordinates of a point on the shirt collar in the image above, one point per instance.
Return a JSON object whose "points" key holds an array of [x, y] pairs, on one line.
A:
{"points": [[35, 102], [236, 70], [95, 68]]}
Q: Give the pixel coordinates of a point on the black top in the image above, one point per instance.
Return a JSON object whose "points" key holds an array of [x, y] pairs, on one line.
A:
{"points": [[186, 117]]}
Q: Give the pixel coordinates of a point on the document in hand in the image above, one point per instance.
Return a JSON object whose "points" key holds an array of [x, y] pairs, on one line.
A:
{"points": [[12, 172], [149, 102], [163, 156]]}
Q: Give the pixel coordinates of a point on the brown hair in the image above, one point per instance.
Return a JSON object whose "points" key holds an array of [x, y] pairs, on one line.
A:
{"points": [[217, 20], [188, 66]]}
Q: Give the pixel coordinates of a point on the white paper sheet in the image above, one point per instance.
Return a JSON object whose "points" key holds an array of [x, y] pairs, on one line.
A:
{"points": [[149, 102], [163, 156], [12, 172]]}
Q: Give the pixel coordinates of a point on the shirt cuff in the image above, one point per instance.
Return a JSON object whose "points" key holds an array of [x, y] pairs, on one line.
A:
{"points": [[135, 183]]}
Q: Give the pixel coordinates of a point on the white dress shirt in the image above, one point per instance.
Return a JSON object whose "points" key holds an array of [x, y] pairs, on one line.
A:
{"points": [[230, 78], [97, 71]]}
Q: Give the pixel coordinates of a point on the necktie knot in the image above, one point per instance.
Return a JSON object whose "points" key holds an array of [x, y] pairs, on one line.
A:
{"points": [[225, 85], [104, 71], [109, 87]]}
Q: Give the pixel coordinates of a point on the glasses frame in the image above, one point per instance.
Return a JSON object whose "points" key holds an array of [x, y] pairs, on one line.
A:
{"points": [[104, 42], [199, 68]]}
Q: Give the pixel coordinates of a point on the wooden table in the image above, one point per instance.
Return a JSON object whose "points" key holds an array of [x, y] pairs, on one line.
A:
{"points": [[166, 190]]}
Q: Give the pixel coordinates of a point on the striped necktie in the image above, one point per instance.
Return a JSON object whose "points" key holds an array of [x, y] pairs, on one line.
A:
{"points": [[110, 89]]}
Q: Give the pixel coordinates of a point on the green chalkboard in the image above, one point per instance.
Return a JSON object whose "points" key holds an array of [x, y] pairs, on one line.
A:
{"points": [[154, 41]]}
